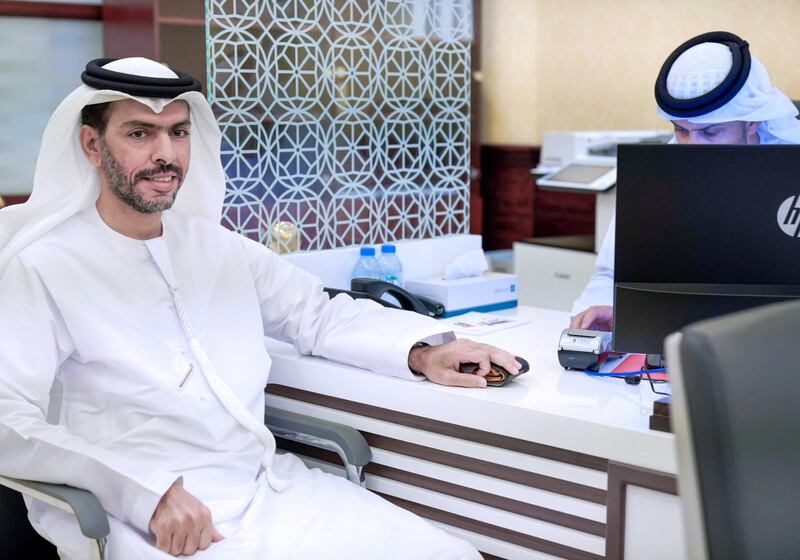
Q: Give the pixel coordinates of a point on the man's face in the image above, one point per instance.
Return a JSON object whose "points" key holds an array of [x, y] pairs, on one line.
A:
{"points": [[735, 132], [145, 155]]}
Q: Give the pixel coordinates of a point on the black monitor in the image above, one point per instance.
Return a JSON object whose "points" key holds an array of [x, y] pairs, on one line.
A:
{"points": [[701, 231]]}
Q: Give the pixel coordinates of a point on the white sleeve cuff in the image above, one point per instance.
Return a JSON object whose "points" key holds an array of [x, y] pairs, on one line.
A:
{"points": [[147, 497], [430, 334]]}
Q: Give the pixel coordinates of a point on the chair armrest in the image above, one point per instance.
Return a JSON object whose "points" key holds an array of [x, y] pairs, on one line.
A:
{"points": [[85, 505], [344, 440]]}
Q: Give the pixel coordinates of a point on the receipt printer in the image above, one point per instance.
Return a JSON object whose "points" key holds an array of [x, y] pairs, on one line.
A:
{"points": [[581, 349]]}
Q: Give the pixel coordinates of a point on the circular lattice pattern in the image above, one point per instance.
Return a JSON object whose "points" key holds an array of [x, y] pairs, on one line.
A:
{"points": [[348, 118]]}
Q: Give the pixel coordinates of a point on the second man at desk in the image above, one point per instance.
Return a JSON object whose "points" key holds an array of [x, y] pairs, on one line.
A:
{"points": [[713, 92]]}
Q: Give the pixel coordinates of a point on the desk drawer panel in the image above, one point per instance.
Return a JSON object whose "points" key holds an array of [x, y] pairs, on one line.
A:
{"points": [[407, 495], [420, 445], [478, 523], [543, 460], [500, 493], [483, 486], [495, 549]]}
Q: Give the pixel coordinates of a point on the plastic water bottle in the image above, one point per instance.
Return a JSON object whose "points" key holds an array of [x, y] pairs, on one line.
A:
{"points": [[391, 267], [367, 265]]}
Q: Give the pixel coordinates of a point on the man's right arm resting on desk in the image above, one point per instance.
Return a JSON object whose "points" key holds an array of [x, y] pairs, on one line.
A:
{"points": [[593, 309], [295, 309], [34, 342]]}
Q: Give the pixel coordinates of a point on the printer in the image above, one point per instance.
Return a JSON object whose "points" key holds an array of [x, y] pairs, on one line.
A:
{"points": [[562, 148]]}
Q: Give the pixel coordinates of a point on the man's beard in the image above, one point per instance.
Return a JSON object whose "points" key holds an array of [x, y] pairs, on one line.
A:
{"points": [[125, 189]]}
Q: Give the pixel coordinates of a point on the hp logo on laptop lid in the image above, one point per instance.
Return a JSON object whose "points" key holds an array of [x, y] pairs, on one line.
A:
{"points": [[789, 216]]}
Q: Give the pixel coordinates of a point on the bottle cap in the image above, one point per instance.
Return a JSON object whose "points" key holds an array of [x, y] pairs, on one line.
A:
{"points": [[388, 248], [367, 251]]}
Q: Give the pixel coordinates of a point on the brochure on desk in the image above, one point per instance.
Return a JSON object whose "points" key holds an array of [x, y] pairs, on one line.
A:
{"points": [[478, 324]]}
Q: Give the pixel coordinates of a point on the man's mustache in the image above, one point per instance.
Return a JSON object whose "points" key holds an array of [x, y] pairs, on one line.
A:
{"points": [[165, 168]]}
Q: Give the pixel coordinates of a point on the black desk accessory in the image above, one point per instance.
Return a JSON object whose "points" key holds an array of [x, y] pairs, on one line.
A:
{"points": [[498, 375], [580, 349], [369, 288]]}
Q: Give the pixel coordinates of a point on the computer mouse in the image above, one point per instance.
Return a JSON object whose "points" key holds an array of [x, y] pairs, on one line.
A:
{"points": [[498, 375]]}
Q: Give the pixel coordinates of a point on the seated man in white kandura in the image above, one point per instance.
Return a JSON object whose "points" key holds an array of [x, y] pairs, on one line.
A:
{"points": [[713, 92], [132, 361]]}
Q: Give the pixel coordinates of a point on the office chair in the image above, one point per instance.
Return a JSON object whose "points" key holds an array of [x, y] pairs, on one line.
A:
{"points": [[737, 428], [19, 540]]}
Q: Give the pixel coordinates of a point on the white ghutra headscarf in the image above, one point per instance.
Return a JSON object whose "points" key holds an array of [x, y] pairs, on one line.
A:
{"points": [[65, 183], [703, 67]]}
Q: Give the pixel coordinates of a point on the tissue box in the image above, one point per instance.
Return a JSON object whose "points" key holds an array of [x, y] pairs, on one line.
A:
{"points": [[490, 292]]}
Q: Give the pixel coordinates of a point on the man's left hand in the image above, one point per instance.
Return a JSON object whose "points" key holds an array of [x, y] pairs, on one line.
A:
{"points": [[440, 363]]}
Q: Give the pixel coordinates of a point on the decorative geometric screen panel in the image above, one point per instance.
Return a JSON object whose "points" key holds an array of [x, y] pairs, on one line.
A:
{"points": [[347, 118]]}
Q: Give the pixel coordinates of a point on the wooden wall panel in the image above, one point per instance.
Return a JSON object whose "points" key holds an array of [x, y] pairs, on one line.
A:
{"points": [[562, 213], [55, 10], [508, 194], [14, 199], [129, 28], [476, 207], [514, 209]]}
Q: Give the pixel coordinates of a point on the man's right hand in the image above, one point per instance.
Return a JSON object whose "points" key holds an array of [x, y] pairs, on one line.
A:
{"points": [[596, 318], [181, 523]]}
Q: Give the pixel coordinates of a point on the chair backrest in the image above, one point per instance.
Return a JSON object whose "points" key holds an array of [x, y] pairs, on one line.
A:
{"points": [[736, 385], [17, 538]]}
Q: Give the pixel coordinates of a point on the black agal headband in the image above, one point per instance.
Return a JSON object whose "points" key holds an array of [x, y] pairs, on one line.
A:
{"points": [[717, 97], [143, 86]]}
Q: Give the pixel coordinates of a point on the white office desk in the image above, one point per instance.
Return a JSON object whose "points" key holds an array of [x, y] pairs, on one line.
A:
{"points": [[536, 469]]}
